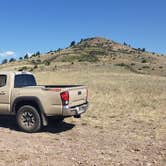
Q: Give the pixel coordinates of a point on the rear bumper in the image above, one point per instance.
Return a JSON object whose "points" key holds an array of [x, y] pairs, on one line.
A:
{"points": [[74, 111]]}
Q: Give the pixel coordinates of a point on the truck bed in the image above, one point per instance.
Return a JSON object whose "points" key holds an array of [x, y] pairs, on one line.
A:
{"points": [[61, 86], [78, 93]]}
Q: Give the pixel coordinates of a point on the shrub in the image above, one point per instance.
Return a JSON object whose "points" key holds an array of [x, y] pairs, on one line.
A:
{"points": [[38, 61], [26, 56], [33, 55], [59, 49], [121, 64], [81, 41], [144, 61], [72, 43], [33, 61], [37, 53], [49, 51], [145, 67], [23, 68], [46, 62], [143, 50], [125, 44], [132, 64], [12, 60], [55, 67], [4, 61], [35, 67]]}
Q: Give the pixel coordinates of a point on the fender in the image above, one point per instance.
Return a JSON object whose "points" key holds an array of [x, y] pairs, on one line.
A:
{"points": [[28, 99]]}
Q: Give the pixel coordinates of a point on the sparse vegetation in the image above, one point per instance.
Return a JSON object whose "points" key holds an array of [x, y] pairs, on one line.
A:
{"points": [[143, 50], [125, 107], [4, 61], [145, 67], [36, 54], [26, 56], [46, 62], [88, 58], [144, 61], [125, 44], [121, 64], [38, 61], [12, 60], [72, 43], [81, 58], [96, 50], [35, 66], [24, 68]]}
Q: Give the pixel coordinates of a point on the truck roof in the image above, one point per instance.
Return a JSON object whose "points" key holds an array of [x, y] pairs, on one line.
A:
{"points": [[15, 72]]}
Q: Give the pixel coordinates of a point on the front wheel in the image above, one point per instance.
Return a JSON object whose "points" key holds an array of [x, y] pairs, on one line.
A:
{"points": [[28, 119]]}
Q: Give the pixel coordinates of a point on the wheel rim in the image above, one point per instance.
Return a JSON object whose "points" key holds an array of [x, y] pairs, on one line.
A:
{"points": [[28, 119]]}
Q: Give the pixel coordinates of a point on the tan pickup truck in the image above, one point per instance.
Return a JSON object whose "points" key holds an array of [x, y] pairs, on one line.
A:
{"points": [[33, 104]]}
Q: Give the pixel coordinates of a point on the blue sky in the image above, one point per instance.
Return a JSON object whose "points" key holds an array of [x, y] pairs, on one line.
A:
{"points": [[28, 26]]}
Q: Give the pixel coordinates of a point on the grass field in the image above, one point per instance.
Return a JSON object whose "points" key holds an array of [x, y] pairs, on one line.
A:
{"points": [[124, 125]]}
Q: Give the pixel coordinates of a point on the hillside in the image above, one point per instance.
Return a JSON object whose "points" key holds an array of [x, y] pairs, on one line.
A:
{"points": [[125, 123], [124, 126], [95, 50]]}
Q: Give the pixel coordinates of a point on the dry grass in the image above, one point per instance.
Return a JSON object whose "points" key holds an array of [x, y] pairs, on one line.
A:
{"points": [[125, 124], [129, 107]]}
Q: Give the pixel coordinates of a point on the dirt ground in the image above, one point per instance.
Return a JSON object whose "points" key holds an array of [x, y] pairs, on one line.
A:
{"points": [[124, 126]]}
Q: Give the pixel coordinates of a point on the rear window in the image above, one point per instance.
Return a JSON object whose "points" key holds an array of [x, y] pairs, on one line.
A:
{"points": [[23, 80]]}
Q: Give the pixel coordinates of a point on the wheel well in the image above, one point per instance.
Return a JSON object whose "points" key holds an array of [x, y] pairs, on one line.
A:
{"points": [[34, 102], [21, 103]]}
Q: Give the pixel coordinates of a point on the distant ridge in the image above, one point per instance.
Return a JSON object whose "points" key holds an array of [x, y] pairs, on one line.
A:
{"points": [[96, 50]]}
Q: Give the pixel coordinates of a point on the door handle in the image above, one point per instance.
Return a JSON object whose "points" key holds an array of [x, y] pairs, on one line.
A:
{"points": [[2, 93]]}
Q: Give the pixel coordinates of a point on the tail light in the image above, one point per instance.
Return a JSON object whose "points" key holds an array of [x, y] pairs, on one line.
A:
{"points": [[65, 97]]}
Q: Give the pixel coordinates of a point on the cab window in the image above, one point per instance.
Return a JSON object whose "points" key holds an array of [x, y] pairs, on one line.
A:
{"points": [[3, 79], [22, 80]]}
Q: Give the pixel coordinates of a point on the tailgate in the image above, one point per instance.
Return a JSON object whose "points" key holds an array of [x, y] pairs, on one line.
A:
{"points": [[77, 95]]}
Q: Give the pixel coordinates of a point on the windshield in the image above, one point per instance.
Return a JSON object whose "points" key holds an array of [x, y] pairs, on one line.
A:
{"points": [[23, 80]]}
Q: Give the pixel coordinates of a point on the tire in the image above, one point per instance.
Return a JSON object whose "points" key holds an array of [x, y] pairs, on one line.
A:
{"points": [[28, 119]]}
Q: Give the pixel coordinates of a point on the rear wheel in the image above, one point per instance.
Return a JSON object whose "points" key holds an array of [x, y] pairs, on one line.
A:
{"points": [[28, 119]]}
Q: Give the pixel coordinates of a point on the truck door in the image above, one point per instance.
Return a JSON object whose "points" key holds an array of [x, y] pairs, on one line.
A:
{"points": [[4, 94]]}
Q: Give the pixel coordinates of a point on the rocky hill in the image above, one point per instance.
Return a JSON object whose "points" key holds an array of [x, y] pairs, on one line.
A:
{"points": [[95, 50]]}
